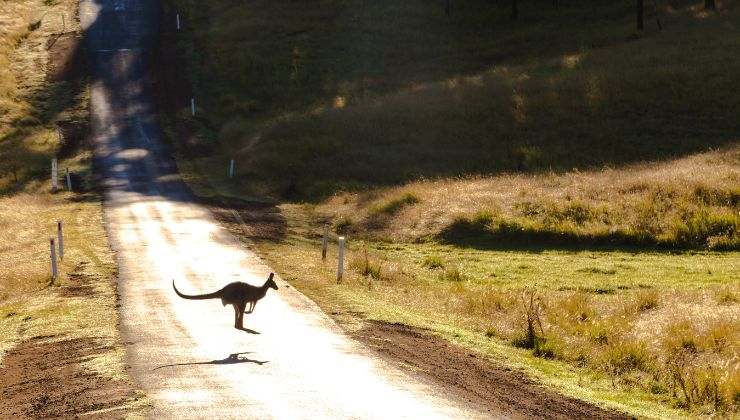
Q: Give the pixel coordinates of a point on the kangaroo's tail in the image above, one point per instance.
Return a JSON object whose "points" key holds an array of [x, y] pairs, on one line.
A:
{"points": [[213, 295]]}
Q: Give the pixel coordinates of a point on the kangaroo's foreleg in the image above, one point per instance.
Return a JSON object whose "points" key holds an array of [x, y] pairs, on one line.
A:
{"points": [[251, 307]]}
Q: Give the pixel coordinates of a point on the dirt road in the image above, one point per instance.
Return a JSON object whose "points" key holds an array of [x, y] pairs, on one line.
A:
{"points": [[186, 354]]}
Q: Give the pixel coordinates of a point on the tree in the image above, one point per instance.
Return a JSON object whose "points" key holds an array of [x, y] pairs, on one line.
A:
{"points": [[640, 15], [514, 10], [710, 5]]}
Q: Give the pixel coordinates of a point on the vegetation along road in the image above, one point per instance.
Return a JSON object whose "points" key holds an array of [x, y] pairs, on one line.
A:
{"points": [[539, 201]]}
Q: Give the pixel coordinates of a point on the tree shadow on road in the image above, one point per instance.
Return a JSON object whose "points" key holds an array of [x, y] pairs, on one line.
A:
{"points": [[233, 358]]}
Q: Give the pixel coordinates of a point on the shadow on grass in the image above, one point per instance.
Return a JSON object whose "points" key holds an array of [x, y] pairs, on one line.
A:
{"points": [[63, 89], [511, 236]]}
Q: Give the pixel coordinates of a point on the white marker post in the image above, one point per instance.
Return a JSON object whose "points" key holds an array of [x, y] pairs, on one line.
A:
{"points": [[325, 242], [54, 175], [231, 168], [178, 21], [192, 106], [69, 181], [54, 273], [60, 240], [340, 267]]}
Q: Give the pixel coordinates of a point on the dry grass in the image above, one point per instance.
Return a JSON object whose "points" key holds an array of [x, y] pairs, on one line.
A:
{"points": [[30, 304], [613, 326], [687, 202]]}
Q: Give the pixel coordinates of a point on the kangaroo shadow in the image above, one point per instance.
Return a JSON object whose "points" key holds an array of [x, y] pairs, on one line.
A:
{"points": [[233, 358]]}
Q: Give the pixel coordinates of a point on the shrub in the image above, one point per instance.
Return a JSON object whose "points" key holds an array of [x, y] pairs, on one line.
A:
{"points": [[721, 334], [433, 262], [646, 300], [482, 219], [702, 227], [726, 296], [367, 266], [577, 307], [626, 356], [452, 274], [680, 337], [342, 224], [393, 206]]}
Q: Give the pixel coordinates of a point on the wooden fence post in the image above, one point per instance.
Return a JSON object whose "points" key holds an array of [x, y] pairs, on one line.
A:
{"points": [[325, 242], [340, 267], [54, 175], [60, 240], [54, 273]]}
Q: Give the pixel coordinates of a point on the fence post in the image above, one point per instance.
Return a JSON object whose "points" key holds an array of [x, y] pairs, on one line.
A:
{"points": [[231, 168], [192, 106], [60, 239], [54, 175], [178, 21], [54, 273], [325, 242], [69, 181], [340, 267]]}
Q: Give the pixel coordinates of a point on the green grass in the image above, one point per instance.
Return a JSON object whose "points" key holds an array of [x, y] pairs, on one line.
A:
{"points": [[604, 332]]}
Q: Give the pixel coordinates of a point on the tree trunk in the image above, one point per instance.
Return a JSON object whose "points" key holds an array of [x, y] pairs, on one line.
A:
{"points": [[448, 7], [514, 10], [710, 5], [640, 15]]}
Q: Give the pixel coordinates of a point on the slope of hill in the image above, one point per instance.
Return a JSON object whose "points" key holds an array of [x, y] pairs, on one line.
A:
{"points": [[484, 163]]}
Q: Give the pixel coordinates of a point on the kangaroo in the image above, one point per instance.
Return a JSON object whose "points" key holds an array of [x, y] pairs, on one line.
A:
{"points": [[238, 295]]}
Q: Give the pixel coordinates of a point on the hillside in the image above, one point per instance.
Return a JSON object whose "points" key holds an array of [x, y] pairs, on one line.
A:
{"points": [[478, 165]]}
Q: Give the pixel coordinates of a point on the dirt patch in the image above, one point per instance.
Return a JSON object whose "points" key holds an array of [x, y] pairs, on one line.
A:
{"points": [[66, 61], [472, 377], [262, 221], [80, 284], [44, 378]]}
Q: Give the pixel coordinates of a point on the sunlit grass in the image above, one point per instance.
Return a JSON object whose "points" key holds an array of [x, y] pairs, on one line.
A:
{"points": [[603, 332], [31, 305]]}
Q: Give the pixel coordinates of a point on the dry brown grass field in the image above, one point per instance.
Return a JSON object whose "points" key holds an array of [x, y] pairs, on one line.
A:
{"points": [[560, 193], [72, 319]]}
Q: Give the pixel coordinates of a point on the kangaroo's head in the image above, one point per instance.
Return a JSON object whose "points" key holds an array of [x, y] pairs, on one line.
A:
{"points": [[270, 282]]}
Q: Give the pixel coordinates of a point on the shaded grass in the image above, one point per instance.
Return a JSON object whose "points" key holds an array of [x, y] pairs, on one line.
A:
{"points": [[352, 95]]}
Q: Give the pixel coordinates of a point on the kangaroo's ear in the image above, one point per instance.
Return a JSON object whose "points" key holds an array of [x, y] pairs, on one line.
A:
{"points": [[271, 276]]}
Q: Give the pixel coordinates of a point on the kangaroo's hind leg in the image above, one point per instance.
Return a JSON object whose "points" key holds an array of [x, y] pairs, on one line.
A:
{"points": [[237, 317], [240, 314]]}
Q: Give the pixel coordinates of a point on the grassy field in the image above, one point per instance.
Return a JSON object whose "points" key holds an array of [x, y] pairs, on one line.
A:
{"points": [[650, 334], [39, 88], [560, 192]]}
